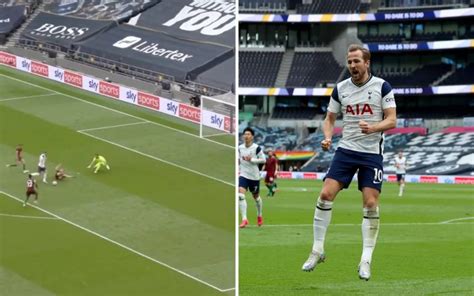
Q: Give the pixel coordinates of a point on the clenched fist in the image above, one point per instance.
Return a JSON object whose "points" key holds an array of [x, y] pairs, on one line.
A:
{"points": [[326, 144]]}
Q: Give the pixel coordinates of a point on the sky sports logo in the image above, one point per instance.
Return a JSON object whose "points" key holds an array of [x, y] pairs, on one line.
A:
{"points": [[152, 48]]}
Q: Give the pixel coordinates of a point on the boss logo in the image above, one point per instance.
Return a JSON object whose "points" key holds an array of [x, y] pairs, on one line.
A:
{"points": [[63, 32]]}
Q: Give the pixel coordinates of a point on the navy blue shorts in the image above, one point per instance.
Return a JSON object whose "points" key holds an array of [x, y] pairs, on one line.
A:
{"points": [[251, 185], [367, 165], [400, 177]]}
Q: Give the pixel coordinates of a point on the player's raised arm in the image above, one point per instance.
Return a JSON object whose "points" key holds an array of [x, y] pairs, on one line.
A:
{"points": [[92, 162], [260, 157]]}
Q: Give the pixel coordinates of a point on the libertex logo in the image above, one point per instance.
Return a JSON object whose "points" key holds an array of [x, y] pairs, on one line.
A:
{"points": [[151, 48], [127, 42]]}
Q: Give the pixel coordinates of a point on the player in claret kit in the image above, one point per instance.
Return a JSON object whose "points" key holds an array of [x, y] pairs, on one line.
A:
{"points": [[31, 189], [368, 109], [60, 174], [250, 156], [271, 169], [19, 158]]}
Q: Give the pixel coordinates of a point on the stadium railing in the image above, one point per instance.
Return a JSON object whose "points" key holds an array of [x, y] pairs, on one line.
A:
{"points": [[122, 68]]}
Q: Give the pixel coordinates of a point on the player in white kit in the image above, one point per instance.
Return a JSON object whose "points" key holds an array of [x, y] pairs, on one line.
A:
{"points": [[400, 166], [42, 167], [250, 156], [368, 109]]}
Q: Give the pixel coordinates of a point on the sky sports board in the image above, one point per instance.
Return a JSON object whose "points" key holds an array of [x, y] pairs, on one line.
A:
{"points": [[122, 93], [441, 179]]}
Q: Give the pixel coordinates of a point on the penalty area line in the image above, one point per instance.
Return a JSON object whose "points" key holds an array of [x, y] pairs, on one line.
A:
{"points": [[111, 126], [119, 244], [28, 97], [28, 217], [157, 158]]}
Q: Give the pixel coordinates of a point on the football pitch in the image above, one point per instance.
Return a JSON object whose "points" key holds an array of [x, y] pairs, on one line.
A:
{"points": [[425, 244], [160, 222]]}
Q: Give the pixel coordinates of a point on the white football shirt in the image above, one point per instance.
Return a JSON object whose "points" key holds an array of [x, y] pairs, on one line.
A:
{"points": [[249, 169], [42, 160], [361, 102], [400, 165]]}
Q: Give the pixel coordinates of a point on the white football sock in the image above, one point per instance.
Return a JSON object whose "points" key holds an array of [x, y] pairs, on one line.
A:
{"points": [[370, 231], [243, 206], [259, 202], [402, 187], [322, 218]]}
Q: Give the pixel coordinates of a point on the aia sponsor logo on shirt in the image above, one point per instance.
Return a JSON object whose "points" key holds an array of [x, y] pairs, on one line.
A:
{"points": [[359, 109]]}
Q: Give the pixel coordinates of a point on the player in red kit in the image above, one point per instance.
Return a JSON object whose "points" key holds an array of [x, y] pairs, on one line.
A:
{"points": [[31, 189], [271, 167], [19, 158], [60, 173]]}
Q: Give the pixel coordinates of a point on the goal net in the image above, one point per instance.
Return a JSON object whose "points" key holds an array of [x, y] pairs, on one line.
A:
{"points": [[218, 119]]}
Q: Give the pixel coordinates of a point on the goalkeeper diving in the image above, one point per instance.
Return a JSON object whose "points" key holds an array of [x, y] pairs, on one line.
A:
{"points": [[98, 162]]}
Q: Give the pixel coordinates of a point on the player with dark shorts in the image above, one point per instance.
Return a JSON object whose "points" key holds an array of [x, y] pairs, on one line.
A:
{"points": [[31, 189], [346, 163], [400, 177], [253, 186]]}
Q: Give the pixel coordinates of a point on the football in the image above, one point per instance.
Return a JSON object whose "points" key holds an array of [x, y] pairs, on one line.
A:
{"points": [[55, 182]]}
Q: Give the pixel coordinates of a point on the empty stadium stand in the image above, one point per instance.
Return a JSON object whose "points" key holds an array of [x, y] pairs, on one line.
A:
{"points": [[463, 75], [422, 76], [276, 138], [310, 69], [390, 38], [336, 6], [407, 4], [263, 6], [439, 153], [259, 68], [299, 113], [118, 10]]}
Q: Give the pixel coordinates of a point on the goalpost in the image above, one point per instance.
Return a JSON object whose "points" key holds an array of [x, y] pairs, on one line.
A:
{"points": [[218, 118]]}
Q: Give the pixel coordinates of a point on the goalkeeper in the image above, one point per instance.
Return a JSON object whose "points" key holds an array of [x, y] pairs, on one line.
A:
{"points": [[98, 162]]}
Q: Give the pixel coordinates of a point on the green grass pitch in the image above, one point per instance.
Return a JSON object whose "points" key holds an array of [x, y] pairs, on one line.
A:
{"points": [[161, 222], [425, 244]]}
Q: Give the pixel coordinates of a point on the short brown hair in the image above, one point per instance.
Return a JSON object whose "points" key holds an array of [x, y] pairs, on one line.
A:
{"points": [[365, 51]]}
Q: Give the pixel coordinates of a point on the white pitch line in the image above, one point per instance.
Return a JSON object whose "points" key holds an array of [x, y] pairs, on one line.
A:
{"points": [[356, 224], [215, 135], [28, 217], [457, 219], [157, 158], [27, 97], [111, 126], [119, 244], [120, 112]]}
